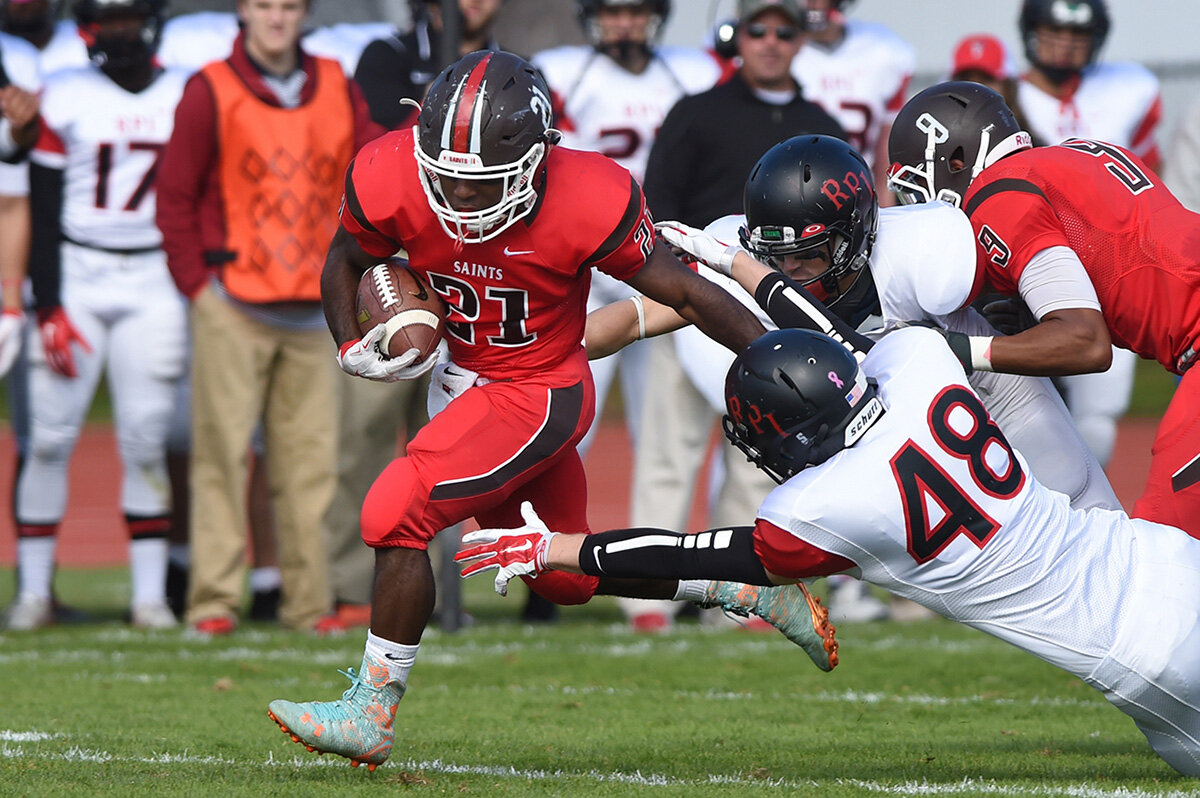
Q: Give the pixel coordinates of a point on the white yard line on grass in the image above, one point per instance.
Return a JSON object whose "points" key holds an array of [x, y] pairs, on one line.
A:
{"points": [[915, 788]]}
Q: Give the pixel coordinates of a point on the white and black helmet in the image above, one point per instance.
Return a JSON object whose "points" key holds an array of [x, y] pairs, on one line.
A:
{"points": [[945, 136]]}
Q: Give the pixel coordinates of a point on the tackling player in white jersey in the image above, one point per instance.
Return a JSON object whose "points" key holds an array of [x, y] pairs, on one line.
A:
{"points": [[893, 471], [859, 73], [105, 300], [877, 269], [1068, 94]]}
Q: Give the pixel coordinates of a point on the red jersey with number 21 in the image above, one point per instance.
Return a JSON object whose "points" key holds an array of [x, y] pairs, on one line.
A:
{"points": [[1139, 245], [517, 302]]}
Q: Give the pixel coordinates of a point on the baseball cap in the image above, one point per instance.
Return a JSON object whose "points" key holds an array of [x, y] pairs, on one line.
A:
{"points": [[984, 53], [747, 9]]}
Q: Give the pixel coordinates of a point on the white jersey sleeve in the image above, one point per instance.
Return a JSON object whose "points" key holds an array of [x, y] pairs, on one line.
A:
{"points": [[861, 82], [602, 107], [1115, 102], [704, 360], [189, 41], [108, 143], [934, 505], [923, 261]]}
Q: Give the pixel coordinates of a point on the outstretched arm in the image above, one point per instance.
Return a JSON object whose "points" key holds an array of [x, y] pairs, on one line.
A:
{"points": [[615, 326]]}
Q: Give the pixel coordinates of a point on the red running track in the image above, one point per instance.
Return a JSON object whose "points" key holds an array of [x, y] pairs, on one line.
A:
{"points": [[93, 533]]}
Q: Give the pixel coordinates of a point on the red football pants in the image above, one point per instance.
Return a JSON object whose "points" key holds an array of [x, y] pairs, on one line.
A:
{"points": [[1172, 494], [492, 448]]}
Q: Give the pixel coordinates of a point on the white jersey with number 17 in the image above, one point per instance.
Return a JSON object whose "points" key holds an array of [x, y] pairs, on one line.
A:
{"points": [[108, 142]]}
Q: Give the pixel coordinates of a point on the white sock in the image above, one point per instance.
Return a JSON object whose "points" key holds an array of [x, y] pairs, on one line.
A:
{"points": [[691, 589], [35, 558], [178, 554], [148, 570], [399, 658], [265, 579]]}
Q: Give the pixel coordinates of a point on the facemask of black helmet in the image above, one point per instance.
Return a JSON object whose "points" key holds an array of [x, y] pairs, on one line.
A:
{"points": [[775, 245], [623, 50]]}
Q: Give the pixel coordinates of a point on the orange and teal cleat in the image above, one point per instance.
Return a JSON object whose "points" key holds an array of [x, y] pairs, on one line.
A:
{"points": [[358, 726], [789, 608]]}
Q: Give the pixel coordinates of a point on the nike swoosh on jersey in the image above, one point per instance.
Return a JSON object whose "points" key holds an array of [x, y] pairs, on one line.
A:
{"points": [[508, 253]]}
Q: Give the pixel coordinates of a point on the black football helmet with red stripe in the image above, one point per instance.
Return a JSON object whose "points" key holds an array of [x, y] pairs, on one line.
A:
{"points": [[486, 117], [809, 195], [793, 399]]}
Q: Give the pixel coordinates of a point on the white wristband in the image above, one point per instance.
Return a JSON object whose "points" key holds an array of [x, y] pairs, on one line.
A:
{"points": [[8, 145], [641, 315], [981, 352]]}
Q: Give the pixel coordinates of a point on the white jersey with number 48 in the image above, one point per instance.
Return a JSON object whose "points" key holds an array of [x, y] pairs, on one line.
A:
{"points": [[108, 142]]}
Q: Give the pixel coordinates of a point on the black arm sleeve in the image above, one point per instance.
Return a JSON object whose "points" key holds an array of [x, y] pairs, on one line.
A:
{"points": [[726, 554], [791, 306], [45, 204]]}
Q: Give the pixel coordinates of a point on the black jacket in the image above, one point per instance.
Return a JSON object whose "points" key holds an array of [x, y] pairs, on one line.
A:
{"points": [[709, 142]]}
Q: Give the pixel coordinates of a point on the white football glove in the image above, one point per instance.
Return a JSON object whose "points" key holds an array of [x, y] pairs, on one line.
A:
{"points": [[11, 322], [700, 245], [513, 552], [362, 358]]}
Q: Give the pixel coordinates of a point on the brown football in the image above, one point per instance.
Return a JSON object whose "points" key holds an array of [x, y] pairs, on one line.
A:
{"points": [[414, 315]]}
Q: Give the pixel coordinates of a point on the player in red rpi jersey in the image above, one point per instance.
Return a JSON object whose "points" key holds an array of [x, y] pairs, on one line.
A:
{"points": [[1093, 242], [506, 228]]}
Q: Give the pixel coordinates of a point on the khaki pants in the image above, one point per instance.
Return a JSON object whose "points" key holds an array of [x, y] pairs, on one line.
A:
{"points": [[371, 415], [243, 370]]}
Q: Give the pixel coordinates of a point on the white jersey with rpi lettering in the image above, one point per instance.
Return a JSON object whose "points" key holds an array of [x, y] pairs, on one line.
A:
{"points": [[861, 81], [108, 142], [934, 505], [65, 50], [917, 263], [1117, 103], [20, 63], [189, 41], [604, 108]]}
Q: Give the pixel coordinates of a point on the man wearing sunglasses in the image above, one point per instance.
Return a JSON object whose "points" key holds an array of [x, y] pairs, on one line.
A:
{"points": [[697, 169]]}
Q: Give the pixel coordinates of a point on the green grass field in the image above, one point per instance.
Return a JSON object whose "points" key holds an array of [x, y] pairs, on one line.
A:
{"points": [[580, 707]]}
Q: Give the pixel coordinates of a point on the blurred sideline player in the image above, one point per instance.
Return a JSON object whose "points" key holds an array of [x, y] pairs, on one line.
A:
{"points": [[610, 97], [105, 302], [858, 72], [507, 228], [58, 41], [1066, 94], [982, 58], [1099, 250], [862, 454], [400, 65]]}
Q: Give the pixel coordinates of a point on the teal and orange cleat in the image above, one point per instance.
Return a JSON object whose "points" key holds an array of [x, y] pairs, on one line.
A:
{"points": [[358, 726], [789, 608]]}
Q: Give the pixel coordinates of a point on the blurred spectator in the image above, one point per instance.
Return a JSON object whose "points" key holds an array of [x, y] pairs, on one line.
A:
{"points": [[696, 173], [37, 22], [1182, 170], [105, 301], [248, 202], [859, 72], [610, 97], [1065, 94], [400, 66], [982, 58]]}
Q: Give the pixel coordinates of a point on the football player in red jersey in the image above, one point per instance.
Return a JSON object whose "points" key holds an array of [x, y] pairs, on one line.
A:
{"points": [[1093, 242], [506, 228]]}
